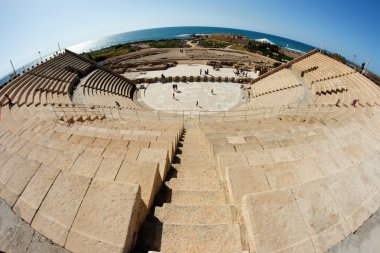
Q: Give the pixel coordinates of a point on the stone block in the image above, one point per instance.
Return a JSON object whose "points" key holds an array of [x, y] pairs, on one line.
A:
{"points": [[145, 174], [86, 165], [159, 156], [114, 152], [59, 208], [65, 160], [106, 220], [245, 180], [36, 190], [18, 178], [322, 216], [274, 223], [108, 169], [258, 158]]}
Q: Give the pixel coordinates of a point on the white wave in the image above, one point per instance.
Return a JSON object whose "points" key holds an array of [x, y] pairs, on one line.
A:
{"points": [[295, 50], [265, 40], [183, 35]]}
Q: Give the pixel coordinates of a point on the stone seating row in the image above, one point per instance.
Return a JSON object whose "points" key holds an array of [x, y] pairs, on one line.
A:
{"points": [[296, 179], [327, 67], [59, 66], [356, 85], [47, 83], [104, 81], [39, 166]]}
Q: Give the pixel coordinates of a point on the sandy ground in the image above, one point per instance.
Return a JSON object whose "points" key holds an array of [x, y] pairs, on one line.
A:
{"points": [[160, 96]]}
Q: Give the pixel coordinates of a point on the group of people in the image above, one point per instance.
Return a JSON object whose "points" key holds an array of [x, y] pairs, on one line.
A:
{"points": [[354, 102], [206, 72], [240, 72]]}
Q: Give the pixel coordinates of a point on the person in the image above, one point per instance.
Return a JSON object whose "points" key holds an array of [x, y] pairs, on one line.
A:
{"points": [[117, 104], [212, 91], [337, 103], [162, 76], [354, 102], [196, 103], [10, 104], [200, 72], [173, 95]]}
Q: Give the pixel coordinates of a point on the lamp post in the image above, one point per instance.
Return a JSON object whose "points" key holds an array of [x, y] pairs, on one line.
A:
{"points": [[40, 55], [354, 59]]}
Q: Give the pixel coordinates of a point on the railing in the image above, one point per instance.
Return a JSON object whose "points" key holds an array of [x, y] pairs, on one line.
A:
{"points": [[88, 112]]}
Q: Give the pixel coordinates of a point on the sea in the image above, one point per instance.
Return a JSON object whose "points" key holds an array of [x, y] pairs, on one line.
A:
{"points": [[184, 32]]}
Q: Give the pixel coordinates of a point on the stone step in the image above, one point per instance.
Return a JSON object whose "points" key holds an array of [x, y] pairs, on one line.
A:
{"points": [[196, 197], [221, 238], [189, 166], [201, 173], [194, 184], [195, 214]]}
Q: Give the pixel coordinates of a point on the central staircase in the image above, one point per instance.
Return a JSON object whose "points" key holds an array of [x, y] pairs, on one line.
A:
{"points": [[192, 213]]}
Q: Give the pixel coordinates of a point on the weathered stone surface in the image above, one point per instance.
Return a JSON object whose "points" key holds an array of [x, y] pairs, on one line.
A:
{"points": [[322, 216], [156, 155], [18, 181], [10, 167], [59, 208], [15, 235], [194, 214], [201, 238], [281, 175], [106, 220], [274, 222], [245, 180], [235, 139], [195, 184], [43, 155], [109, 168], [86, 165], [281, 155], [307, 170], [114, 152], [36, 190], [65, 160], [121, 144], [191, 197], [259, 158], [145, 174]]}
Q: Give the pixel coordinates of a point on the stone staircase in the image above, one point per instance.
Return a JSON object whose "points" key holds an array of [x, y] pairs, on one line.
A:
{"points": [[194, 214]]}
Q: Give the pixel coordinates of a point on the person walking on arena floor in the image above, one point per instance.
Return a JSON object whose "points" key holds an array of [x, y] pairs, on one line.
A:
{"points": [[354, 102]]}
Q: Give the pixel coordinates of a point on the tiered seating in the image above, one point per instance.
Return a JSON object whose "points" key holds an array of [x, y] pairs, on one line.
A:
{"points": [[47, 83], [327, 68], [107, 82], [67, 182], [281, 80], [300, 187], [282, 88]]}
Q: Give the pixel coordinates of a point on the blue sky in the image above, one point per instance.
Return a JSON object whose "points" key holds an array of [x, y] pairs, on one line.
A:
{"points": [[345, 26]]}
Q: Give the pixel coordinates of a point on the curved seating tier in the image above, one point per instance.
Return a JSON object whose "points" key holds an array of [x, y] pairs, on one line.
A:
{"points": [[314, 183], [327, 68], [102, 81], [67, 181]]}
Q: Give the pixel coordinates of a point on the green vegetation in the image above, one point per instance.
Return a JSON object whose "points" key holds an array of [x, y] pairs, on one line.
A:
{"points": [[267, 49], [103, 54], [168, 43], [209, 43]]}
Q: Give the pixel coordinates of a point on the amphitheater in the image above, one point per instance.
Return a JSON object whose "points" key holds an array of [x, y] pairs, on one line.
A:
{"points": [[281, 168]]}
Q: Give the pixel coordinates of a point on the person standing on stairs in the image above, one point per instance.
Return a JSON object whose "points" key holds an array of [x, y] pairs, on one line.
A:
{"points": [[10, 104]]}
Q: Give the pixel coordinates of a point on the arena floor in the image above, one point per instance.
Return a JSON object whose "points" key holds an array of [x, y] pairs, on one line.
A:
{"points": [[159, 96]]}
